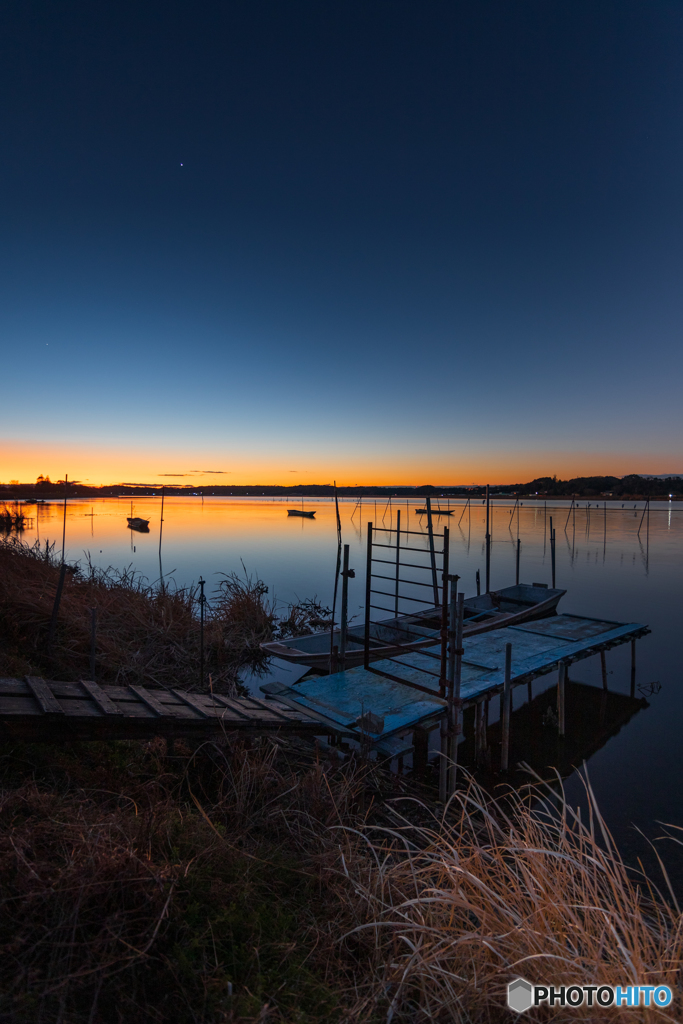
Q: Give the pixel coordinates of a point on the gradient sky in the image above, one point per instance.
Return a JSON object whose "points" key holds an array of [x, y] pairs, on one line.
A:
{"points": [[400, 242]]}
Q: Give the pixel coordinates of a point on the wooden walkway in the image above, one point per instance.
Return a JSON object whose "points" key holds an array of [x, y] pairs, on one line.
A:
{"points": [[388, 706], [35, 709], [401, 694]]}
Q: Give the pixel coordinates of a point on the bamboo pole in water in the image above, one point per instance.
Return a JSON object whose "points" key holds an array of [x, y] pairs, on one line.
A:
{"points": [[432, 552], [488, 542], [333, 646], [62, 575], [161, 530], [398, 557], [344, 607]]}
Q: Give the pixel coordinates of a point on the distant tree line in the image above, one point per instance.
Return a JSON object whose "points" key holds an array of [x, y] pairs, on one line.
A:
{"points": [[632, 486], [599, 486]]}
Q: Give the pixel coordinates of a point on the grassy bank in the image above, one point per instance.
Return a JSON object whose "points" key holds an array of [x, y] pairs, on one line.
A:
{"points": [[145, 633]]}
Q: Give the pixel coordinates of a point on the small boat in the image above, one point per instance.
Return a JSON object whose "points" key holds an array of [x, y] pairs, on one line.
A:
{"points": [[141, 525], [300, 512], [391, 637], [435, 511]]}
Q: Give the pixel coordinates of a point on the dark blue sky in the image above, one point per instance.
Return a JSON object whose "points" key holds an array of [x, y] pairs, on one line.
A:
{"points": [[390, 241]]}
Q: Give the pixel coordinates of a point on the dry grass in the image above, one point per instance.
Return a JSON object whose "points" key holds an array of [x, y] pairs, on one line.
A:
{"points": [[458, 907], [143, 887], [231, 884], [145, 633]]}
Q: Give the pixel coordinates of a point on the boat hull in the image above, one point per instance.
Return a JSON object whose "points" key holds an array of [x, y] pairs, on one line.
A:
{"points": [[298, 512], [508, 607], [141, 525]]}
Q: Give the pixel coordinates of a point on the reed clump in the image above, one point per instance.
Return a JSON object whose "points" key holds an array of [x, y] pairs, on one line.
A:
{"points": [[145, 633], [12, 519], [454, 909]]}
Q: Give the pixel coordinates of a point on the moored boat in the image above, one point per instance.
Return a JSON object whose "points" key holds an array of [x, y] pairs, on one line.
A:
{"points": [[135, 523], [300, 512], [390, 637]]}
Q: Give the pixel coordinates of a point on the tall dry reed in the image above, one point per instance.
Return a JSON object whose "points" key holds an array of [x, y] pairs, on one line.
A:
{"points": [[452, 909]]}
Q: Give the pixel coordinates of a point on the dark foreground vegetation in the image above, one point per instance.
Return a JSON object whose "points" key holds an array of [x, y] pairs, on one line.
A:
{"points": [[270, 882]]}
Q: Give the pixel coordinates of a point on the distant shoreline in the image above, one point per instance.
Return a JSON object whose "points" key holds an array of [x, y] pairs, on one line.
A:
{"points": [[628, 488]]}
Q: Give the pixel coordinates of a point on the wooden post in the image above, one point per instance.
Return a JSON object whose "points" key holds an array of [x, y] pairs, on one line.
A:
{"points": [[505, 747], [452, 633], [603, 666], [344, 607], [368, 588], [444, 614], [446, 690], [398, 557], [633, 668], [432, 552], [488, 541], [552, 551], [455, 704], [93, 641], [161, 530], [463, 511], [561, 681], [519, 543], [478, 583], [66, 491], [334, 657], [201, 632], [645, 509]]}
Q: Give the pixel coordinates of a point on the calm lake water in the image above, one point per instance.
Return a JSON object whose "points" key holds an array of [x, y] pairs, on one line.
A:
{"points": [[607, 568]]}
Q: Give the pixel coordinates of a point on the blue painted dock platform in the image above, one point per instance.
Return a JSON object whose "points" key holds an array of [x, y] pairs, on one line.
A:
{"points": [[342, 701]]}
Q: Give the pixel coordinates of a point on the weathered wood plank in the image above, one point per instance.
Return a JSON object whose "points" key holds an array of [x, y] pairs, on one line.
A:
{"points": [[104, 703], [233, 705], [151, 700], [195, 703], [47, 701]]}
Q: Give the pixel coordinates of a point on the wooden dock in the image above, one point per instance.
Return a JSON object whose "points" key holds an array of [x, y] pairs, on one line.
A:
{"points": [[35, 709], [387, 703], [389, 707]]}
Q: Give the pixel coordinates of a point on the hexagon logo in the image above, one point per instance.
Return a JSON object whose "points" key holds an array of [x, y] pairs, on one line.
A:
{"points": [[520, 995]]}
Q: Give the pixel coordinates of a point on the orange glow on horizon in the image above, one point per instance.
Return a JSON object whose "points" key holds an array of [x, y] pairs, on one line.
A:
{"points": [[24, 462]]}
